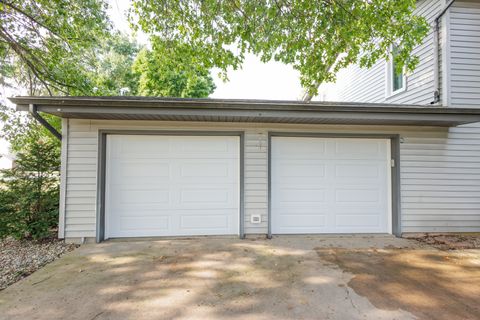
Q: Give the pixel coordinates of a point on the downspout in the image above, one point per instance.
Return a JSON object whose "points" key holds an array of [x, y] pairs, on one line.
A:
{"points": [[33, 111], [436, 53]]}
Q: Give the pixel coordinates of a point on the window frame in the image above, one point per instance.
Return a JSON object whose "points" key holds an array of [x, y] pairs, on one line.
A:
{"points": [[390, 92]]}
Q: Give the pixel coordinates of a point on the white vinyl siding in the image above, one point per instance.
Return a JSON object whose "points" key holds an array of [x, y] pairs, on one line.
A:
{"points": [[369, 85], [440, 170], [465, 54]]}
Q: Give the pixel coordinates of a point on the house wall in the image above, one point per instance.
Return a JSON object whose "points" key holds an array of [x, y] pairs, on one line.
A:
{"points": [[440, 171], [459, 64], [440, 175], [464, 49], [369, 85]]}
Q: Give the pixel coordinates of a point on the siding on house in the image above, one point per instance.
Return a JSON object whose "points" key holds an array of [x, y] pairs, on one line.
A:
{"points": [[440, 171], [369, 85], [465, 54]]}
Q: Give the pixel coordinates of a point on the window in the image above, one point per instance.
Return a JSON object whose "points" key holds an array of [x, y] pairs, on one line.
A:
{"points": [[396, 80]]}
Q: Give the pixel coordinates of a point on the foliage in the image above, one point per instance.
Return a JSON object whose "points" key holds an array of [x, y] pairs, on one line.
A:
{"points": [[46, 44], [20, 129], [112, 72], [29, 192], [164, 72], [318, 38]]}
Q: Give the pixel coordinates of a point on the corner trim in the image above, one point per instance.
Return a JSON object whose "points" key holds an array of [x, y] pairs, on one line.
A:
{"points": [[395, 171], [63, 179], [101, 169], [445, 69]]}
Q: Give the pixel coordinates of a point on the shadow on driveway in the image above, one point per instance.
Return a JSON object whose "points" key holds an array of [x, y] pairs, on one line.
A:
{"points": [[284, 278]]}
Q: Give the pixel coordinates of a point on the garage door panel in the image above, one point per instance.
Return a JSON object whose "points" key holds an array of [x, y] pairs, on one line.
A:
{"points": [[209, 196], [201, 146], [298, 169], [356, 195], [185, 223], [350, 195], [357, 221], [132, 147], [301, 221], [141, 169], [141, 222], [352, 150], [146, 196], [205, 169], [357, 170], [291, 149], [205, 221], [176, 185], [300, 196]]}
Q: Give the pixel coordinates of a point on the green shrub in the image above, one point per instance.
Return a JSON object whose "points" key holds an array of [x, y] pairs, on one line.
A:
{"points": [[29, 193]]}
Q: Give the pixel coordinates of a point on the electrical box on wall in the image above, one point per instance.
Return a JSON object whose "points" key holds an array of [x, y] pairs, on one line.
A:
{"points": [[255, 218]]}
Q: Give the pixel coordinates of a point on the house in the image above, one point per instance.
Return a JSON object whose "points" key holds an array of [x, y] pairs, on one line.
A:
{"points": [[447, 197], [143, 167], [448, 73]]}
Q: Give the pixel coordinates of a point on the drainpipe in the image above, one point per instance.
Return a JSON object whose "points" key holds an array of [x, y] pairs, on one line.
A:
{"points": [[436, 54], [33, 111]]}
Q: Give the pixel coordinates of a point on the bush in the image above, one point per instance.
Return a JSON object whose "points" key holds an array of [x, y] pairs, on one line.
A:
{"points": [[29, 193]]}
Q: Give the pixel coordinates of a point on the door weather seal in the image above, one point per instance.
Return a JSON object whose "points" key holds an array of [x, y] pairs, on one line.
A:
{"points": [[33, 110]]}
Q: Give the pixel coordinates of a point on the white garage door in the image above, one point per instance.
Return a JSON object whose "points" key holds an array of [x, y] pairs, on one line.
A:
{"points": [[171, 185], [330, 185]]}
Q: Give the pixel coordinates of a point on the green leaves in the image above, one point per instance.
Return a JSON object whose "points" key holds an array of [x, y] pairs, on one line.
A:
{"points": [[49, 42], [318, 38], [112, 72], [30, 192], [172, 69]]}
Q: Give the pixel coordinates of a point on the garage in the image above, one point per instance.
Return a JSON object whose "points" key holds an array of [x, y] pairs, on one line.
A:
{"points": [[171, 185], [330, 185]]}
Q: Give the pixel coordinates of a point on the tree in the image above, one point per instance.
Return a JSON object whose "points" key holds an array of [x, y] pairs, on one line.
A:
{"points": [[112, 72], [30, 191], [165, 72], [317, 38], [47, 43], [21, 129]]}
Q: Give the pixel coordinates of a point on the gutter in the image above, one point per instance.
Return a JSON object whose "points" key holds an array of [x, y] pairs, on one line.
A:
{"points": [[436, 54], [33, 111]]}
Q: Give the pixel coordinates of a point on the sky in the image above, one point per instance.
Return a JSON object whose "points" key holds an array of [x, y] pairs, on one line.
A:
{"points": [[256, 80]]}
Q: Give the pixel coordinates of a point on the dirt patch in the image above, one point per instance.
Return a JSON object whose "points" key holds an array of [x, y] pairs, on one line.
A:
{"points": [[449, 241], [430, 284], [19, 259]]}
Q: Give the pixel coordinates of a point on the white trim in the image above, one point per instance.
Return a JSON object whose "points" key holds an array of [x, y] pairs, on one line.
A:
{"points": [[106, 224], [445, 96], [389, 92], [63, 179], [390, 161]]}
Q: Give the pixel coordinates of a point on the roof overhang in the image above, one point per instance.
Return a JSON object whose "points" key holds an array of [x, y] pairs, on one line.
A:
{"points": [[261, 111]]}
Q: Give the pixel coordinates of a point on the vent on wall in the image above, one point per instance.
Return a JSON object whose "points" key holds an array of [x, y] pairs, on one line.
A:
{"points": [[255, 218]]}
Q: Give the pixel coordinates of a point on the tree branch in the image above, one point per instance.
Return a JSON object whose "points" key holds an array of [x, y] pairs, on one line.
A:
{"points": [[32, 18], [17, 48]]}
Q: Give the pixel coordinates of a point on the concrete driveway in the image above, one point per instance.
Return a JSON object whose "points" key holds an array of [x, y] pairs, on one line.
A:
{"points": [[298, 277]]}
